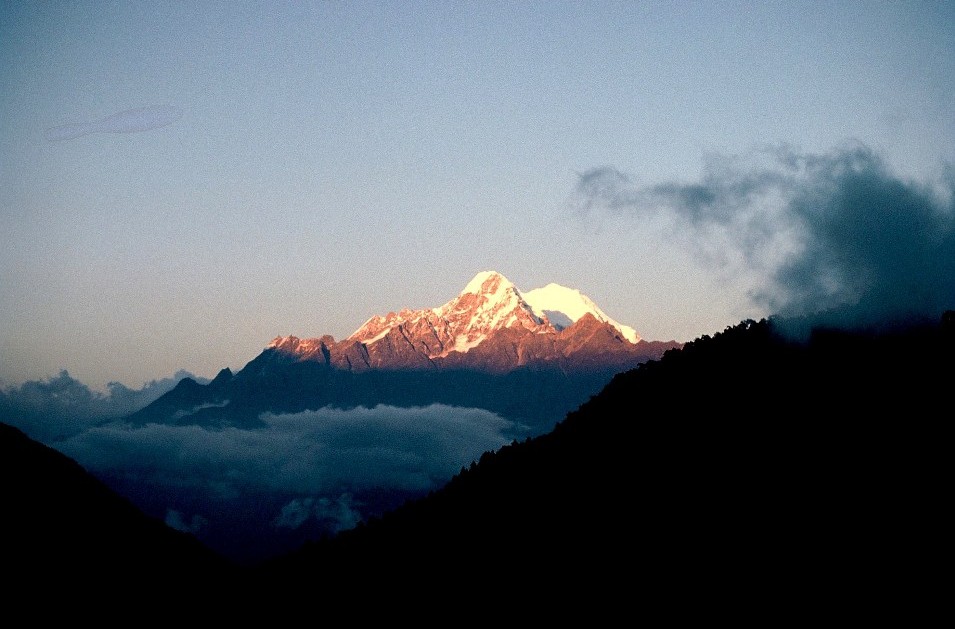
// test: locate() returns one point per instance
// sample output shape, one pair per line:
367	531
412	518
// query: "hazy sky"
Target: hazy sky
236	171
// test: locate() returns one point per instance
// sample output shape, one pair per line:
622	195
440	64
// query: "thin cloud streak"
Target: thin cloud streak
129	121
826	232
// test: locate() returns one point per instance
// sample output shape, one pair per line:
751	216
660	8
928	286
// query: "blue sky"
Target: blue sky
331	161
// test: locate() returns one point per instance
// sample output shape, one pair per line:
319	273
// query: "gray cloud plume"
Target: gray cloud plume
835	232
128	121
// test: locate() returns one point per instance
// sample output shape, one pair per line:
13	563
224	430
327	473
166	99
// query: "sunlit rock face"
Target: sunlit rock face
490	325
530	358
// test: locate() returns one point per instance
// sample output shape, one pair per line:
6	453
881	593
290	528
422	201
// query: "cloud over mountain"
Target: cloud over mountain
245	461
309	453
824	231
61	406
310	466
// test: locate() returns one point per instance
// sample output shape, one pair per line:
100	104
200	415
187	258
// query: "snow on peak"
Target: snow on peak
488	303
488	283
564	306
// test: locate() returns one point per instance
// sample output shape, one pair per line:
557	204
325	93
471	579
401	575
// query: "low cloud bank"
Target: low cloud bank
61	406
304	472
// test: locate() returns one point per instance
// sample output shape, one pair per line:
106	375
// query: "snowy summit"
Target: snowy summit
564	306
490	302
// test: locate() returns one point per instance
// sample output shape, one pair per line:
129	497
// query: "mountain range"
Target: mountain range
429	389
528	357
746	476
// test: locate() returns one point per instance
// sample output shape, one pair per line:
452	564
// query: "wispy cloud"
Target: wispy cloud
338	514
128	121
180	522
825	231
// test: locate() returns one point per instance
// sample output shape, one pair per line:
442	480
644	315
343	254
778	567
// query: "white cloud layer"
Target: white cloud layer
309	467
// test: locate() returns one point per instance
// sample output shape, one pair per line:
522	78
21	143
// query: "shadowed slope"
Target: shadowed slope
743	476
66	535
740	472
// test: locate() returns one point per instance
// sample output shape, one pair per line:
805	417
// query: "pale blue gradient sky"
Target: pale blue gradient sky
343	159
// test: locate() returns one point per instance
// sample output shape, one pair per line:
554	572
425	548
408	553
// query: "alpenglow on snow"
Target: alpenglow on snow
488	303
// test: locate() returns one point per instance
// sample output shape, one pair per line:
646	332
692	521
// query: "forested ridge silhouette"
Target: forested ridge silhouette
746	469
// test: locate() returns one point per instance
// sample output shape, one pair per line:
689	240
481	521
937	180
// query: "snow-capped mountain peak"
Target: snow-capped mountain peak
488	283
563	306
488	303
490	325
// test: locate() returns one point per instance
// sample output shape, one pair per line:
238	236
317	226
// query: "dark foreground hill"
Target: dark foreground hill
743	478
744	473
70	545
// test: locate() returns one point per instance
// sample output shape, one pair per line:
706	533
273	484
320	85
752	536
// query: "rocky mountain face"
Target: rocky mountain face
489	326
488	347
490	302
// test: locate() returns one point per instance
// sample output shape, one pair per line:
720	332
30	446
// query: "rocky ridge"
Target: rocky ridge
490	326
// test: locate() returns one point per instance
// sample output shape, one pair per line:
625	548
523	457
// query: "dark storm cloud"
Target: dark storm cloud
825	231
61	406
